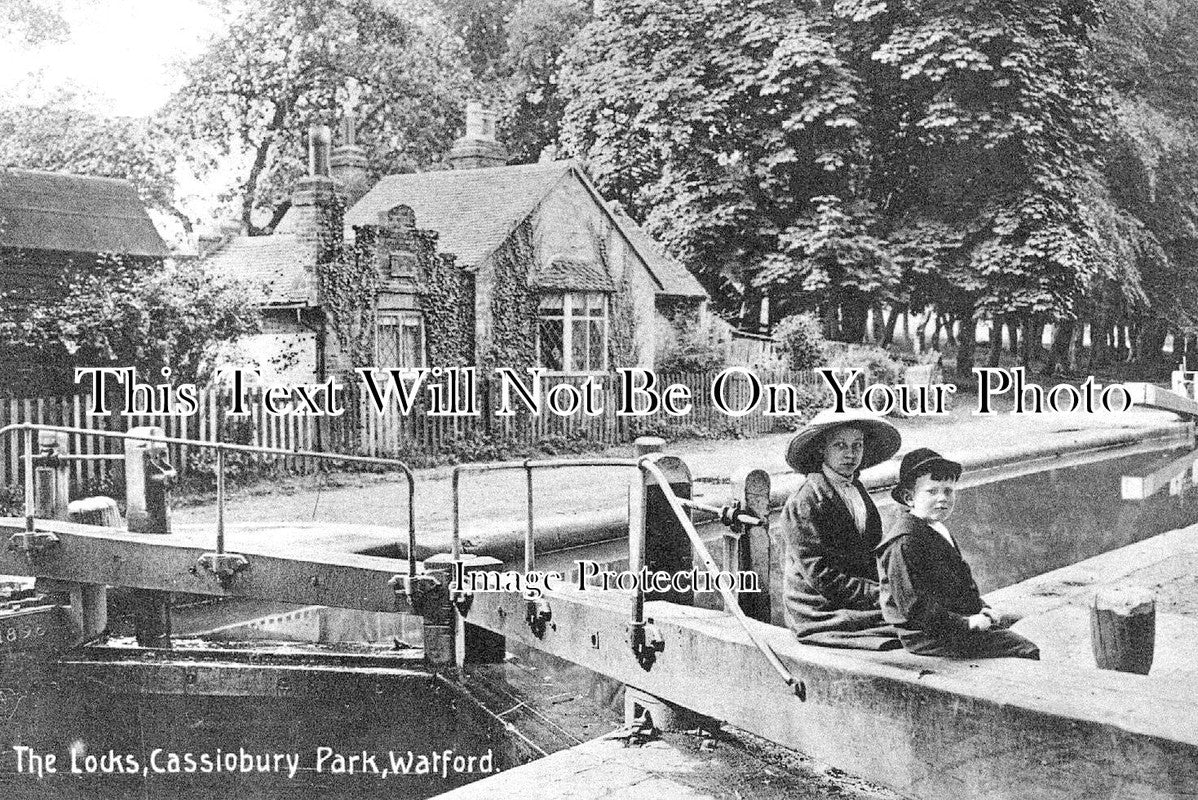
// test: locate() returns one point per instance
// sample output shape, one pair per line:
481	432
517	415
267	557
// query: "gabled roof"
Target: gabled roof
472	210
74	213
675	279
278	269
475	210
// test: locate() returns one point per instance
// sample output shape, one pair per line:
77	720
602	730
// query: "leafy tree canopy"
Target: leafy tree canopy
734	129
117	314
282	65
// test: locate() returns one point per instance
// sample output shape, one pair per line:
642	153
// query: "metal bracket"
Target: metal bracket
32	543
537	614
224	566
647	642
421	591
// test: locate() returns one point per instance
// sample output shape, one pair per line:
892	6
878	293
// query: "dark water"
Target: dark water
422	717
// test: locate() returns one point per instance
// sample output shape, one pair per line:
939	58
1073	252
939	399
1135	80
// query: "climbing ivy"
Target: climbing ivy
447	297
513	311
348	285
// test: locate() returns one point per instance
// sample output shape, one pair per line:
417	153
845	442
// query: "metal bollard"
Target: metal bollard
754	546
449	639
147	510
52	476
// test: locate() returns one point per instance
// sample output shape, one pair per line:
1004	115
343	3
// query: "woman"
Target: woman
831	526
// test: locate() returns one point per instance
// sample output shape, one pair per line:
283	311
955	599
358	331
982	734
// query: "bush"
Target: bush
877	361
802	340
694	347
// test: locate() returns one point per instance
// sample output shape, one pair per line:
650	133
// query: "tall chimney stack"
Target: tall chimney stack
478	148
349	164
319	142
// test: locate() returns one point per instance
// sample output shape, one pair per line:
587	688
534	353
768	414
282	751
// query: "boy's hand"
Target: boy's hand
979	622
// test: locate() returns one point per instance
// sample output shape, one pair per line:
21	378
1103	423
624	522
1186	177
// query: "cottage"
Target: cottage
483	264
52	223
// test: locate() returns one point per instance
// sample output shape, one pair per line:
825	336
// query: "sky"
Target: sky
122	50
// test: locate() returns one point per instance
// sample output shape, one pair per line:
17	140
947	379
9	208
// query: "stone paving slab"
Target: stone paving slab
1056	613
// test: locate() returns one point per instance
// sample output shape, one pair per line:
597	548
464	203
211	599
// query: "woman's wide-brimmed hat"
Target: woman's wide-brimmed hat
805	453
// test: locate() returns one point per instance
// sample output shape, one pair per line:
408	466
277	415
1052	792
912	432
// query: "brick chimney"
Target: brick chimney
478	148
316	208
348	163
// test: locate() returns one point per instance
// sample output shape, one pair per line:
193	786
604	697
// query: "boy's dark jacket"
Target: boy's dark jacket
927	590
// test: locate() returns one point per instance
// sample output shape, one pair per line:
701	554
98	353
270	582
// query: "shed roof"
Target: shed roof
74	213
278	269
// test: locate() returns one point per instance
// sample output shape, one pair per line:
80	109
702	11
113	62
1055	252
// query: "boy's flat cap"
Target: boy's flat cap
918	462
805	453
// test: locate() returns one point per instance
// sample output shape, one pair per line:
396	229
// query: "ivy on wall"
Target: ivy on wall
348	285
446	294
513	308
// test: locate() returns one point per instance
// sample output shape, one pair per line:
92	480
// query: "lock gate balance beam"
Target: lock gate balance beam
928	727
176	563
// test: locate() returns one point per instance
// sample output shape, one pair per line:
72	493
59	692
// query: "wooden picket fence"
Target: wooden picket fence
361	430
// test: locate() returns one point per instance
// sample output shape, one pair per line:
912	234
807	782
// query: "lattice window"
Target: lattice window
572	332
401	340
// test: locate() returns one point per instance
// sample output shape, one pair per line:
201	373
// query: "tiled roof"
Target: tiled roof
278	269
74	213
571	274
675	279
472	210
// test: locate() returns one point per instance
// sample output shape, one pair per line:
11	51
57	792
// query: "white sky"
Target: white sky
122	50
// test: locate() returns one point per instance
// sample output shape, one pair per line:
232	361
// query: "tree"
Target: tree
985	120
118	314
62	136
284	64
31	22
515	49
733	129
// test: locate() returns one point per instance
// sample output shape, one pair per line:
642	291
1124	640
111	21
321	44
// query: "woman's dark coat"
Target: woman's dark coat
830	583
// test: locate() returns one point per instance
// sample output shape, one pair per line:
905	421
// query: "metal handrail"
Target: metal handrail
642	464
221	449
528	465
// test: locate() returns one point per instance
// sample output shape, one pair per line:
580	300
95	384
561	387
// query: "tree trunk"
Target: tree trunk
831	325
950	321
1013	333
1058	354
853	317
968	341
891	321
995	342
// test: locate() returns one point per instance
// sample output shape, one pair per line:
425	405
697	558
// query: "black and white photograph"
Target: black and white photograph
598	399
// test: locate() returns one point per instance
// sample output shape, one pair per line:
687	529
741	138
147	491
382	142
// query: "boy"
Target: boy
927	590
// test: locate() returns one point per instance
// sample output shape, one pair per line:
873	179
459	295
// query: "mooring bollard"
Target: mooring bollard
86	604
449	640
1123	629
52	476
754	547
147	509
